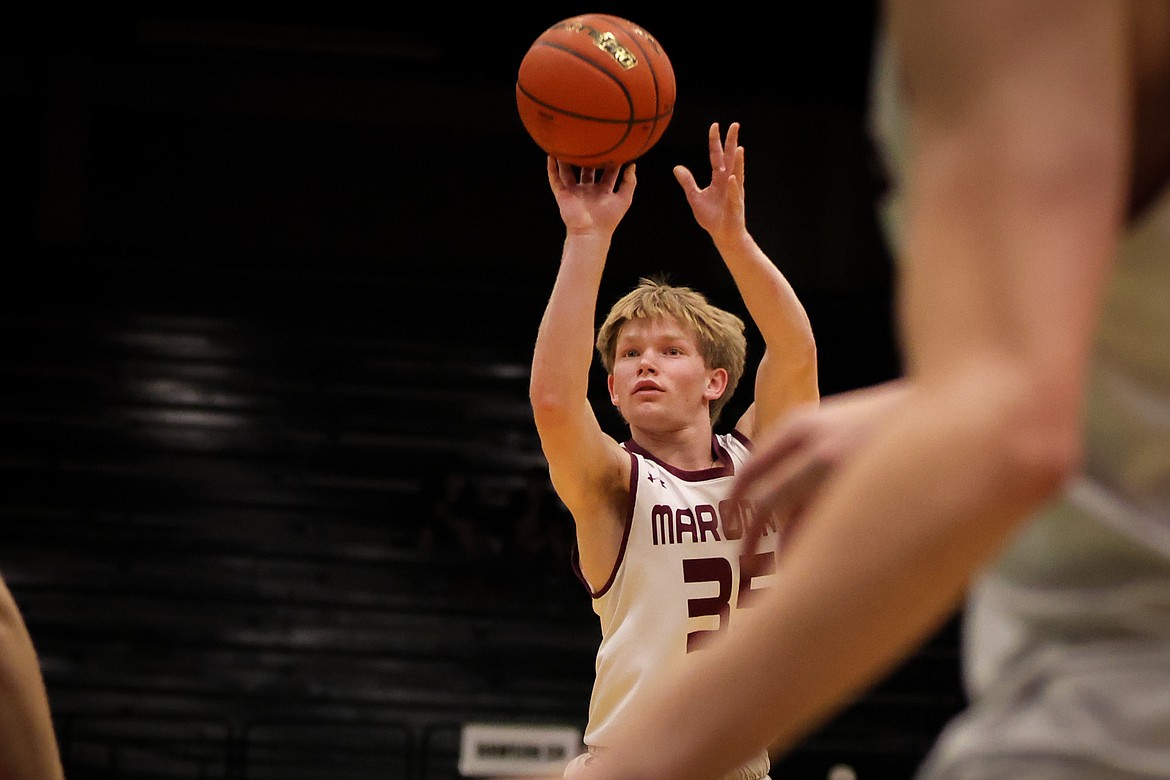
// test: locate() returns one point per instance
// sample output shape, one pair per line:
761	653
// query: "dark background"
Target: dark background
270	275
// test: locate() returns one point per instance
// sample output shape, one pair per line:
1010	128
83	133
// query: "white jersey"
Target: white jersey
1067	636
678	580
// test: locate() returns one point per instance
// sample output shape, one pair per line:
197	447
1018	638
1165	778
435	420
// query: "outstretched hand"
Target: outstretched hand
719	207
592	201
793	461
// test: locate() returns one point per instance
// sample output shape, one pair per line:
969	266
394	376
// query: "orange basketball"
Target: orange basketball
595	90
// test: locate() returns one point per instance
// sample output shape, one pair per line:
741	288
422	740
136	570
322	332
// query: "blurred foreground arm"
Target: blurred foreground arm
28	745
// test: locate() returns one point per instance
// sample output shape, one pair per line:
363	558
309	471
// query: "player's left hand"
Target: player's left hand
794	459
718	207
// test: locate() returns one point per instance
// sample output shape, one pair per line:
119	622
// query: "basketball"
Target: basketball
595	90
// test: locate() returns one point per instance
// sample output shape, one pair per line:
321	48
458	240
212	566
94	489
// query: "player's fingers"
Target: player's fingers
564	172
554	174
732	140
609	177
766	526
735	195
776	504
684	177
715	147
772	455
630	179
786	493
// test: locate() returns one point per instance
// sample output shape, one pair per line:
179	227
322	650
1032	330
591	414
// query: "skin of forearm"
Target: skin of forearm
764	289
787	373
564	344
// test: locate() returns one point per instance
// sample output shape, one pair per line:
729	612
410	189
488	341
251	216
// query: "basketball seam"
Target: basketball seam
588	117
637	39
625	90
628	123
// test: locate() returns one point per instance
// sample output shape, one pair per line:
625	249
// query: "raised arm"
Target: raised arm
1014	203
587	467
787	374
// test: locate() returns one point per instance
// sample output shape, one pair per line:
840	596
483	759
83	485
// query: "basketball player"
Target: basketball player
1025	458
28	744
655	545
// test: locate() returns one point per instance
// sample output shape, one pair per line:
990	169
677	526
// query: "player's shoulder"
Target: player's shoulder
735	441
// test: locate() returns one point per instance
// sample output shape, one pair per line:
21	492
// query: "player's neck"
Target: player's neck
688	449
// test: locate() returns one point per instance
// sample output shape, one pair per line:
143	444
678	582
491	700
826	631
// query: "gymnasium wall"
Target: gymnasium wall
270	278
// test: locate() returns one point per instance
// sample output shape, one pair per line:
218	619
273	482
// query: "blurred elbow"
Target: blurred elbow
1040	441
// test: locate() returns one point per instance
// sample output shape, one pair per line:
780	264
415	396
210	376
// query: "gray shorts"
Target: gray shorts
1098	711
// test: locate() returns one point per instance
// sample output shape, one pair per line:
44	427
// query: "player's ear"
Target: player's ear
613	399
716	384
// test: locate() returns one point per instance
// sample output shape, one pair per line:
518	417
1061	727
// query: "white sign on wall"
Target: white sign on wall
494	749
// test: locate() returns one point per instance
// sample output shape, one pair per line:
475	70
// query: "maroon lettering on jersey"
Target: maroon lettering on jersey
753	567
707	521
716	570
684	522
662	524
732	515
669	525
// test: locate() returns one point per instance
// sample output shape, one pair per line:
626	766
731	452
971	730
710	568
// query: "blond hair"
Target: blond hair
719	333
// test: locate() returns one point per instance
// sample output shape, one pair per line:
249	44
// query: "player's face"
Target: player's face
659	379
